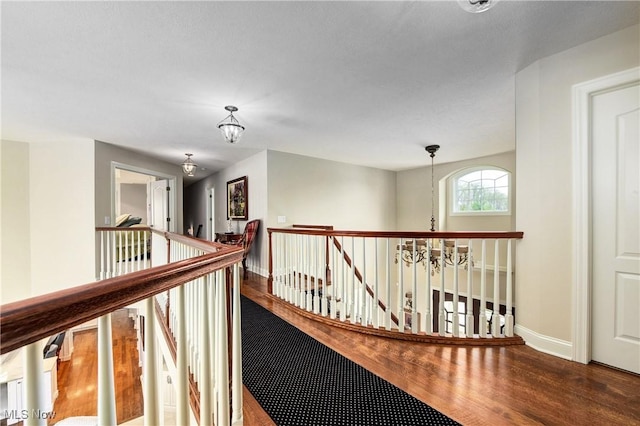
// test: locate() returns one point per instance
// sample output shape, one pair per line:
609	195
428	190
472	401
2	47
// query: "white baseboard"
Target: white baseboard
546	344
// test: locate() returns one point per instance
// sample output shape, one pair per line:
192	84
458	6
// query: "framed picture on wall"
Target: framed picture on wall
237	199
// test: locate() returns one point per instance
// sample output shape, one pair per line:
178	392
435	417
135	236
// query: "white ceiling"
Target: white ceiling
365	82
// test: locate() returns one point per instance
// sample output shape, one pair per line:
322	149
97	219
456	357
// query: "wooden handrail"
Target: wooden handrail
472	235
29	320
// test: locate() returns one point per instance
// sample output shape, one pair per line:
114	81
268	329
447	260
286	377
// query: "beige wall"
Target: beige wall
544	165
311	191
15	232
47	217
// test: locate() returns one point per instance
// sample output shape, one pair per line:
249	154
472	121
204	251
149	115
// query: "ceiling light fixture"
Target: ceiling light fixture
230	127
477	6
431	250
188	166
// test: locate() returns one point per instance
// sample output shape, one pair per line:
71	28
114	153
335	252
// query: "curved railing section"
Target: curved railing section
449	287
138	268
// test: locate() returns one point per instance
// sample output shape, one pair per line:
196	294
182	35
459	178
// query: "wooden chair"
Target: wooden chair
246	241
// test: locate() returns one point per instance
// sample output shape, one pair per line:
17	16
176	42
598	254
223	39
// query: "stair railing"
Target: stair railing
432	286
202	269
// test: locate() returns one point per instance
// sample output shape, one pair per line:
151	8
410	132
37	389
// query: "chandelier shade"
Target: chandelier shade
230	127
477	6
188	166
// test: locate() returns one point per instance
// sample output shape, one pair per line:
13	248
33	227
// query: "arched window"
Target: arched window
481	190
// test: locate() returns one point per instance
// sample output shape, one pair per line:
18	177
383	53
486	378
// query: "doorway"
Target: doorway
135	189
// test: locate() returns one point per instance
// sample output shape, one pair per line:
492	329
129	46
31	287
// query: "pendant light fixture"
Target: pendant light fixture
188	166
230	127
477	6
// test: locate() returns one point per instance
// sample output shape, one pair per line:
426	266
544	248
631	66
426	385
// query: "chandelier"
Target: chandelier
477	6
188	166
439	253
230	127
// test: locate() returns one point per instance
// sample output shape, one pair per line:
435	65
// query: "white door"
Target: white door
159	204
616	228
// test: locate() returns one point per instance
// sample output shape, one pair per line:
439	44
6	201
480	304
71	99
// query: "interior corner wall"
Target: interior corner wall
196	197
15	244
106	153
61	212
544	158
414	196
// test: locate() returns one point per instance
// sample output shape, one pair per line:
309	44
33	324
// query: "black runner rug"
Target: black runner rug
299	381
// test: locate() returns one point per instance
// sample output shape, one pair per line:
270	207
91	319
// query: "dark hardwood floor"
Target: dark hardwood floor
473	385
480	385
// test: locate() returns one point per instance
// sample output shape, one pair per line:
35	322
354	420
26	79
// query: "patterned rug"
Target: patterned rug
299	381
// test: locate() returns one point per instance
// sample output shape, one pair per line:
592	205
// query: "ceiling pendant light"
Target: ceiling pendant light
188	166
230	127
477	6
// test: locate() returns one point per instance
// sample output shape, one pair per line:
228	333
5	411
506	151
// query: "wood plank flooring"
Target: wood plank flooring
481	385
473	385
78	377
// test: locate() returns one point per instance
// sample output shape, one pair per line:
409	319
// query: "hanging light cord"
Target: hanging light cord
433	219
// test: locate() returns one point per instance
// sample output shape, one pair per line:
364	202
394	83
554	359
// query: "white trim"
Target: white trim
452	189
546	344
582	244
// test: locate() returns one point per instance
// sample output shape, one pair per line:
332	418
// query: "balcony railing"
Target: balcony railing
202	281
451	287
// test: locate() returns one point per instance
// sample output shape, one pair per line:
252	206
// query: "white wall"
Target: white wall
544	166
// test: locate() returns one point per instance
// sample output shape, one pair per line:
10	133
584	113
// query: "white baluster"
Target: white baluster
375	318
151	412
204	383
334	280
496	291
33	382
236	351
469	319
343	303
482	320
456	319
442	316
509	314
324	264
222	355
182	403
363	286
214	282
352	289
414	289
400	289
316	261
106	386
428	312
387	316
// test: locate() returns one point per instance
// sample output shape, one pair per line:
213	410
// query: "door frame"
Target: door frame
582	207
172	192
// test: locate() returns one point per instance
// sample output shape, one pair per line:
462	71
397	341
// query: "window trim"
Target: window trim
452	190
